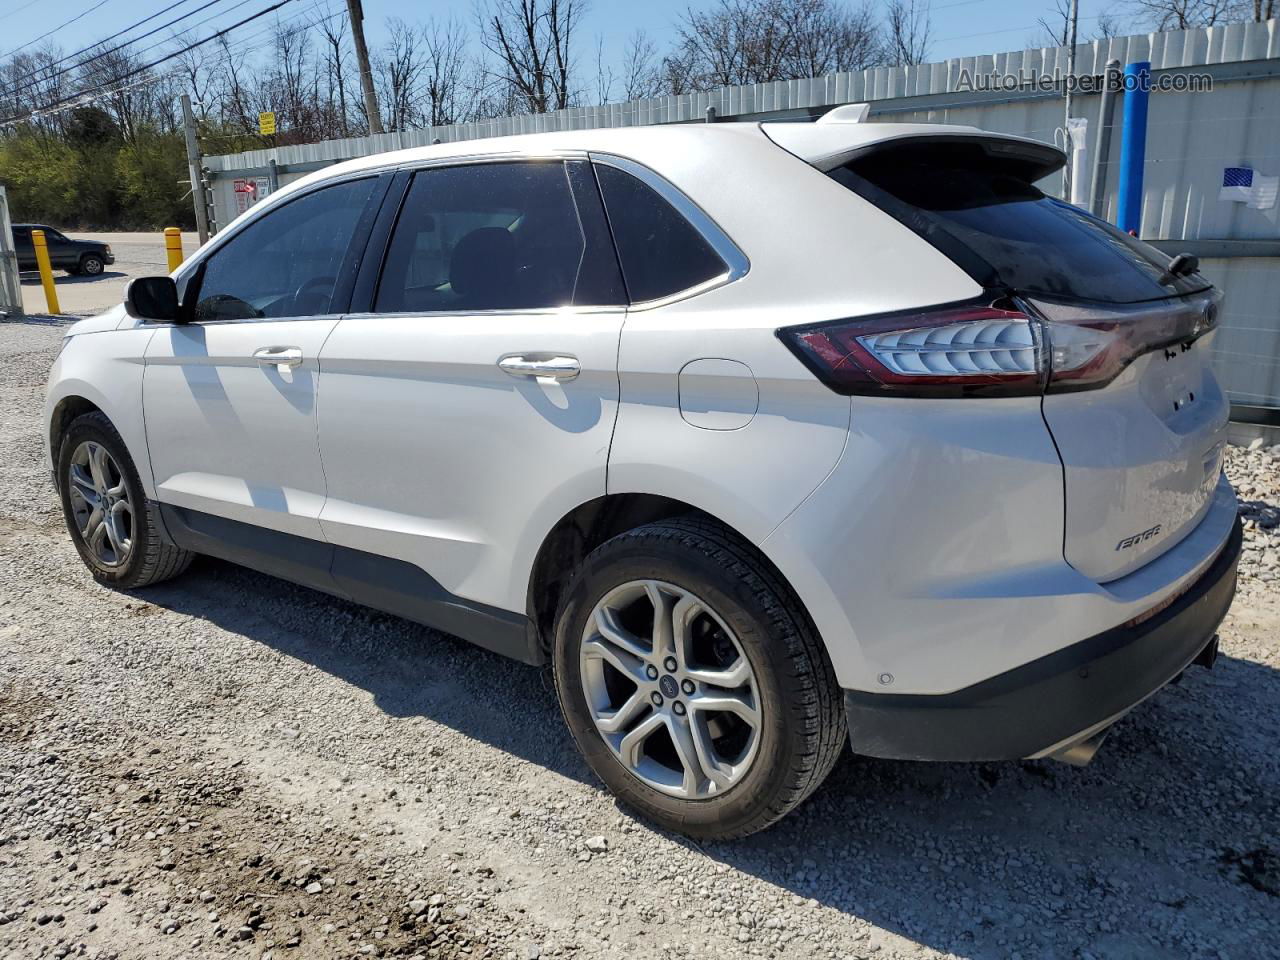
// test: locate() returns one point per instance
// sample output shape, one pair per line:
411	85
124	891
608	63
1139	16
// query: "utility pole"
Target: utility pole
356	12
1071	79
196	167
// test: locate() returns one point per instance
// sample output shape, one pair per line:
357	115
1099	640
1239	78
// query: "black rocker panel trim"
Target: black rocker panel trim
383	583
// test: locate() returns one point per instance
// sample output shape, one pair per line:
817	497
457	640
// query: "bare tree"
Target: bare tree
193	67
398	70
33	79
909	31
756	41
827	38
447	90
1183	14
532	42
604	74
1107	25
135	105
334	31
236	96
1055	28
291	86
641	76
1263	10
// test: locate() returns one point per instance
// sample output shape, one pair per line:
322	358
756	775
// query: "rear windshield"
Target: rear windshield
984	213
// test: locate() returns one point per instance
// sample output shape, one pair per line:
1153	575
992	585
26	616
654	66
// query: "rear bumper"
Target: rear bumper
1051	701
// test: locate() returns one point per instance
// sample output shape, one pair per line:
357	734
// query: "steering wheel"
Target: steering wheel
319	288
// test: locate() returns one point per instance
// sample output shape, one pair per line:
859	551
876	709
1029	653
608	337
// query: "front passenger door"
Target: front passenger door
230	398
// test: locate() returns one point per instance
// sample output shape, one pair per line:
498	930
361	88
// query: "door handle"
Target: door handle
278	356
550	368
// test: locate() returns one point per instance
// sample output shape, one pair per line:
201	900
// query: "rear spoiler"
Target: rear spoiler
827	146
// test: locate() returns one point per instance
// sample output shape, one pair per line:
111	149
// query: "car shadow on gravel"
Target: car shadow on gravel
1145	853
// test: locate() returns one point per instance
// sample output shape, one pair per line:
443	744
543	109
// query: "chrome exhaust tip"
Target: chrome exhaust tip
1080	753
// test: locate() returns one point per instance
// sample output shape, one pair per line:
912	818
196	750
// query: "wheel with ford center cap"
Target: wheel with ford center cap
693	681
111	522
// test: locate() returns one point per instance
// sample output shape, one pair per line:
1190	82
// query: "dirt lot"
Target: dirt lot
229	766
137	255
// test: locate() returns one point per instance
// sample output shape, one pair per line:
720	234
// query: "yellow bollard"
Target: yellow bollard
46	270
173	247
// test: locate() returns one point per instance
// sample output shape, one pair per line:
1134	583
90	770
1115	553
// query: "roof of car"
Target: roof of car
812	142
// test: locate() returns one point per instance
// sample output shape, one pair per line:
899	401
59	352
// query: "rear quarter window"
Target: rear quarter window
980	208
661	252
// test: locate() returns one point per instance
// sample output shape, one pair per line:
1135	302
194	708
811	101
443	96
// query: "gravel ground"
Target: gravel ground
230	766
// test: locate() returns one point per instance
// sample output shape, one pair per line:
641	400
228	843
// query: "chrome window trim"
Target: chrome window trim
736	262
506	156
514	312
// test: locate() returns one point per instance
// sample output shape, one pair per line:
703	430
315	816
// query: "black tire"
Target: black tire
152	558
803	729
91	264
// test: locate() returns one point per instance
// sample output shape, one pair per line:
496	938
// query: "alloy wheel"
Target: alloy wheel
670	689
100	504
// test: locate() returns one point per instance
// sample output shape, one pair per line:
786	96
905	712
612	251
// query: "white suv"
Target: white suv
764	436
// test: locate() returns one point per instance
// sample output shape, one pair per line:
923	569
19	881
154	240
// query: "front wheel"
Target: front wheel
91	265
693	681
111	522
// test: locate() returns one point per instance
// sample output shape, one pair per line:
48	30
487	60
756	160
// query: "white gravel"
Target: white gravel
230	766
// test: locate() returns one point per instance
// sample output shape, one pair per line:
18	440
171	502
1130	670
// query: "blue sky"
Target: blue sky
960	27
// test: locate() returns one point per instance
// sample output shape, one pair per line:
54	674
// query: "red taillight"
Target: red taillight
994	348
1089	345
980	349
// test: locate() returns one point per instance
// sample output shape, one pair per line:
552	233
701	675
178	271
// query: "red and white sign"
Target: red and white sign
244	186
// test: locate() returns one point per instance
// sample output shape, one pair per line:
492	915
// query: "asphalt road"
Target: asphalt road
137	255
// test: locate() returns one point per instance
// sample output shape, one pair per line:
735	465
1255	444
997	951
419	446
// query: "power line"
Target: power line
97	56
55	29
116	34
154	63
991	33
29	3
101	93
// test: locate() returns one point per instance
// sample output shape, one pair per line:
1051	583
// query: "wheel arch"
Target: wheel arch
64	412
592	523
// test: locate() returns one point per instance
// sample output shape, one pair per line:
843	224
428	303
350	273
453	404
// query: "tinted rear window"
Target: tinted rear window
660	251
975	206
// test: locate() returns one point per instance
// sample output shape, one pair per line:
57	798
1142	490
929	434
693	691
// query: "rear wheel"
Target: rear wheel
111	522
91	265
693	681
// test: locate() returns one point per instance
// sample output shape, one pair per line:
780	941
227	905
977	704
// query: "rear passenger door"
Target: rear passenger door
470	404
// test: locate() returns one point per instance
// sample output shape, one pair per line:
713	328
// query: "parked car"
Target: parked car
88	257
766	437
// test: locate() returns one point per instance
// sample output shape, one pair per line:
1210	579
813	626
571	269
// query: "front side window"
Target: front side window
286	263
661	252
486	236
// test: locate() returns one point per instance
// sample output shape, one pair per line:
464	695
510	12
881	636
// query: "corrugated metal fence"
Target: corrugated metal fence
1191	137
